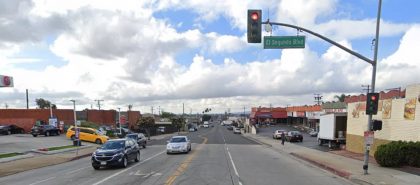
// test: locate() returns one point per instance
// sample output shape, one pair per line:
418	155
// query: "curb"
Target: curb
339	172
80	157
257	140
8	159
60	151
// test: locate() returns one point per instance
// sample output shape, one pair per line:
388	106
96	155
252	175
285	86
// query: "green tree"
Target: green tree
340	98
206	117
43	104
178	122
168	115
147	123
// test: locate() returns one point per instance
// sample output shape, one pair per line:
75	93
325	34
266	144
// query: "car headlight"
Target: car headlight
168	147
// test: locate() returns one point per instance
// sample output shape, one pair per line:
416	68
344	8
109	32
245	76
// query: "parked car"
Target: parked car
161	130
236	130
294	136
47	130
116	152
313	133
10	129
192	129
87	134
206	125
178	144
277	134
139	137
229	127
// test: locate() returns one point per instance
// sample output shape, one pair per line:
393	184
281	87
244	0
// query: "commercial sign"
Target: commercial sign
6	81
334	110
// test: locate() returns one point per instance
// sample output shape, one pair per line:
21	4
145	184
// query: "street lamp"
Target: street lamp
74	112
119	118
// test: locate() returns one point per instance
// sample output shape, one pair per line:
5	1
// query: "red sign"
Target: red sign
300	114
369	135
123	119
6	81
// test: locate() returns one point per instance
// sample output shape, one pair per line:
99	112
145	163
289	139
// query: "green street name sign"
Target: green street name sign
284	42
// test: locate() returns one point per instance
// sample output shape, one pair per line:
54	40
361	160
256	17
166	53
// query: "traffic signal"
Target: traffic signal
372	103
254	26
376	125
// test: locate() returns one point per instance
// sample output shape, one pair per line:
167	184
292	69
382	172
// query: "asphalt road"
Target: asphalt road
308	141
218	157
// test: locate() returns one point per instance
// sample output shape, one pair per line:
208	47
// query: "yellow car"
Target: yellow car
87	134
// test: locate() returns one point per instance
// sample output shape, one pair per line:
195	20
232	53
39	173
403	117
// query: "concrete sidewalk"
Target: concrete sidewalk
42	160
39	161
342	166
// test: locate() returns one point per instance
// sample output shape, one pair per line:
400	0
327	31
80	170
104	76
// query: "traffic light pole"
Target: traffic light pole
372	62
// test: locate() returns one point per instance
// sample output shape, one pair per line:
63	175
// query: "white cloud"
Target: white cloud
123	54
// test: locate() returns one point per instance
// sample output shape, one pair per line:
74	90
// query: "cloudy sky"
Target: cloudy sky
168	52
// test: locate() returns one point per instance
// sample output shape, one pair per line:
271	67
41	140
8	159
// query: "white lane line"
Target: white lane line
233	164
42	181
122	171
76	170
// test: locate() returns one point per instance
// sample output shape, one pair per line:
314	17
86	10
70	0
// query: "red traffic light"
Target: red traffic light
254	16
373	98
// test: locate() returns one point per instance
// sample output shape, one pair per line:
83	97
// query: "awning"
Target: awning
278	115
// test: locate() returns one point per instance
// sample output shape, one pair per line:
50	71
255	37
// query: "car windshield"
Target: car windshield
132	136
178	140
110	145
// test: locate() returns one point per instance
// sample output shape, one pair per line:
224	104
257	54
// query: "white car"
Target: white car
178	144
192	129
206	126
236	130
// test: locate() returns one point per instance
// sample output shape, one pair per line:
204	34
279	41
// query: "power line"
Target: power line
99	104
318	98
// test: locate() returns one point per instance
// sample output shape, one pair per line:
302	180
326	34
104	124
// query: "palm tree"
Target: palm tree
340	98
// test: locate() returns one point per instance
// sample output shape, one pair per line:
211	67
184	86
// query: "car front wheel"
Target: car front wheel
34	135
96	167
137	157
124	162
47	133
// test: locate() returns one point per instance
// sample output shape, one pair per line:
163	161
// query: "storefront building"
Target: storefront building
400	115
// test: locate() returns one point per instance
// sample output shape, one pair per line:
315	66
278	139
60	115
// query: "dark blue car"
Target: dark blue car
116	152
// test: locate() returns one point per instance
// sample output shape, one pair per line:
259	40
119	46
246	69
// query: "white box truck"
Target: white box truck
332	129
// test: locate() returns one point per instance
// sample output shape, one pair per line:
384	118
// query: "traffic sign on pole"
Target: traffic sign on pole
284	42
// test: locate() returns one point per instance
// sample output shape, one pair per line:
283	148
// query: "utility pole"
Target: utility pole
159	110
27	99
375	61
99	104
367	88
318	98
183	109
152	109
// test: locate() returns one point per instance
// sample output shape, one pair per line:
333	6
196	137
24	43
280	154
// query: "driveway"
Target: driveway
308	141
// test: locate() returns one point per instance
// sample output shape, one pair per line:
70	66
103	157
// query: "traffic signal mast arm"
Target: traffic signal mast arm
324	38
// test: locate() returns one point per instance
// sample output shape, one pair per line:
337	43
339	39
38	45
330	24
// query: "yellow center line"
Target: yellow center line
184	165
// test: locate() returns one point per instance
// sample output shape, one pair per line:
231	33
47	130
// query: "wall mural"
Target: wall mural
356	111
386	109
410	109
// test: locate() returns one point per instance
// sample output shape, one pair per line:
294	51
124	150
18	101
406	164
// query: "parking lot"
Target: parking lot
308	141
26	142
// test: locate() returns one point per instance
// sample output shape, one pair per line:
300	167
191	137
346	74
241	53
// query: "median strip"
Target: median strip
9	155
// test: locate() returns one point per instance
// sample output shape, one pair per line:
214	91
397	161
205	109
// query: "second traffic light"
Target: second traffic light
254	26
372	103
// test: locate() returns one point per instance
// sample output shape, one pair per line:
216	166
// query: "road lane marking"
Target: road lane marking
184	165
37	182
233	164
122	171
231	160
70	172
